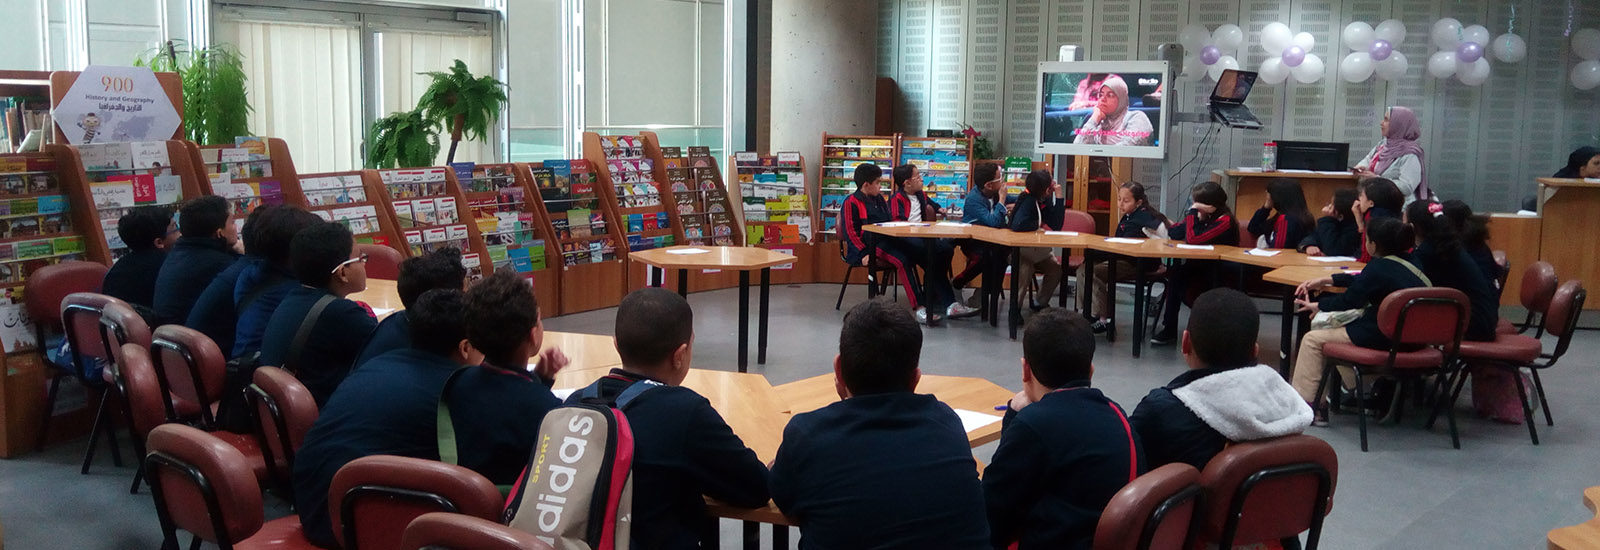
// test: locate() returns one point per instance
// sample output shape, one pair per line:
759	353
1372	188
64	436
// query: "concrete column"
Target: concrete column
824	71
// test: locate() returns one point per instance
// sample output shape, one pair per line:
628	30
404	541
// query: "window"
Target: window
655	65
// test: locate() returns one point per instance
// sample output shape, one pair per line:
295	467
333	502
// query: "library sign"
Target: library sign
110	104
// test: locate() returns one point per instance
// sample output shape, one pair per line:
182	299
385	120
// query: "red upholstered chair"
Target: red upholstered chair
445	531
1538	287
120	325
1424	326
1154	512
284	412
373	499
1267	490
80	318
202	485
191	368
1081	222
383	262
1500	259
146	406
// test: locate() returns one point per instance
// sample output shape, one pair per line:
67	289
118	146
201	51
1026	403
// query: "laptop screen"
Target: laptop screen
1233	87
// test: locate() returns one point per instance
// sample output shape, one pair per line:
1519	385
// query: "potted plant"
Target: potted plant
468	104
215	106
403	139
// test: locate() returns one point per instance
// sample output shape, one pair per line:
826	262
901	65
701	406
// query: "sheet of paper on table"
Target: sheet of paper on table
953	224
381	311
972	420
1120	240
1062	233
687	251
1263	252
1591	180
900	224
1197	247
1250	169
1331	259
564	394
1295	171
1332	172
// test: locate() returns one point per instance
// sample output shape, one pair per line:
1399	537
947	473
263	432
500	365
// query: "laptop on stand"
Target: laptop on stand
1227	100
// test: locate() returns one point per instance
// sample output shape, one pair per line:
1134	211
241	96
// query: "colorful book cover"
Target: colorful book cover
435	235
635	223
559	225
582	177
255	145
106	156
424	212
456	232
578	220
544	178
404	215
445	210
150	155
474	265
112	194
463	170
560	173
51	204
271	192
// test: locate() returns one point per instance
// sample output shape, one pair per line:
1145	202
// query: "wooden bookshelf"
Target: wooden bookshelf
697	201
24	85
278	183
355	203
1092	185
628	168
946	166
761	177
85	175
835	181
591	285
61	81
430	212
513	227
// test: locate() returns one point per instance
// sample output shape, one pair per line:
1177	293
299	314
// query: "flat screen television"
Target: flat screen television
1102	108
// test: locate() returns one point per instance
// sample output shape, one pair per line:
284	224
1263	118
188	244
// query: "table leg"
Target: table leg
1286	333
657	275
761	331
872	286
927	282
744	321
780	537
752	535
1086	281
997	271
1139	305
1111	297
1061	290
1015	316
683	283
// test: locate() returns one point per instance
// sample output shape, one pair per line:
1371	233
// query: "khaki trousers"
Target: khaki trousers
1102	286
1038	258
1308	363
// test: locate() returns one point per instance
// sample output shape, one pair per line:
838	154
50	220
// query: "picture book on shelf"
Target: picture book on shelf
254	146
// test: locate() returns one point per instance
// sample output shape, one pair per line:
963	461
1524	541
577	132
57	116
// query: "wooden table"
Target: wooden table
959	392
1017	241
382	296
1583	536
1251	191
1142	253
1291	277
751	406
1569	210
929	232
736	258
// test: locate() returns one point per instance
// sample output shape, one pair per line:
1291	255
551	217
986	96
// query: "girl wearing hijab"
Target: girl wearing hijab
1584	163
1112	123
1398	157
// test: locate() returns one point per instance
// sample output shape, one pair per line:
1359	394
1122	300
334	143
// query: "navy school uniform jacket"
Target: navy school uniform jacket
880	471
682	450
257	294
496	415
133	278
1059	462
1460	272
1335	237
1367	290
389	408
1278	229
214	313
1192	418
900	206
1028	215
1216	230
1483	257
859	211
1373	214
1133	224
979	210
393	332
185	273
331	347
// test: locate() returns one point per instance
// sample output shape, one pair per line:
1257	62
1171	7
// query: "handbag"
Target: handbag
1336	319
233	412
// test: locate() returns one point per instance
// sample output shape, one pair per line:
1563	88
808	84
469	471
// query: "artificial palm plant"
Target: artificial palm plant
215	106
404	139
468	104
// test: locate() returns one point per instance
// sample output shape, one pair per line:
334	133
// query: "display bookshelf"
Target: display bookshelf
835	181
630	169
594	284
767	185
701	205
946	167
1091	187
171	84
116	177
515	230
252	172
351	198
24	107
430	213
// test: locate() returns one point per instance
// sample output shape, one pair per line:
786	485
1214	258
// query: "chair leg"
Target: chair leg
844	286
1442	394
1527	410
49	406
101	426
1543	401
1361	409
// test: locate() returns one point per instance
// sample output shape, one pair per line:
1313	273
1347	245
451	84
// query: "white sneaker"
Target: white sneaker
922	315
959	310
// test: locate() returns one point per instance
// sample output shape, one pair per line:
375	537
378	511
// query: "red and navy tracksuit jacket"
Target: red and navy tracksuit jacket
1193	230
859	211
1279	230
900	206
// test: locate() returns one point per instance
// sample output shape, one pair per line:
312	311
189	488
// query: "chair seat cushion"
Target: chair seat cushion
1511	348
283	533
247	444
1350	353
1505	327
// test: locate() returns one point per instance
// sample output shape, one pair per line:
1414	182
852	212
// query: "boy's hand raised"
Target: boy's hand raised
550	363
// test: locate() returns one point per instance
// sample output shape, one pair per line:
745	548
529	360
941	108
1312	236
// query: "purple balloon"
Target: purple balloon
1380	50
1293	56
1210	54
1469	52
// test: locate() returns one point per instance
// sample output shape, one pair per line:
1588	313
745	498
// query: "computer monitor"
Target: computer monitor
1102	108
1313	155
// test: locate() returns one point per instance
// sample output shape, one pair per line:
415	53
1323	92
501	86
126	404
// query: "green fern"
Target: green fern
468	104
216	107
402	140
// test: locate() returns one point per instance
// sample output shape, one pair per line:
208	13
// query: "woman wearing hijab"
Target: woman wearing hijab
1584	163
1112	123
1398	157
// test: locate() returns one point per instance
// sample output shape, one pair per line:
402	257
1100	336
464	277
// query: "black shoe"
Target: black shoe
1164	337
1037	307
1100	326
1319	416
1089	317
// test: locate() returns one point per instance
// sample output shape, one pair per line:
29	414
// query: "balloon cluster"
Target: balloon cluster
1374	51
1213	50
1461	51
1586	45
1289	54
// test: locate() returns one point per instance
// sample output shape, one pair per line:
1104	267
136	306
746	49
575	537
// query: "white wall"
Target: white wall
22	26
824	72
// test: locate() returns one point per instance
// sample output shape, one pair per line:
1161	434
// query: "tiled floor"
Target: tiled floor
1411	491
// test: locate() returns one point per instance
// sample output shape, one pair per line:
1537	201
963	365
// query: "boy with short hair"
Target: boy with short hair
986	206
682	447
884	467
1226	396
865	207
438	269
1065	448
149	233
328	268
205	247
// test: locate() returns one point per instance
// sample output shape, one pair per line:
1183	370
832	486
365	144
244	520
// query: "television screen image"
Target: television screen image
1102	108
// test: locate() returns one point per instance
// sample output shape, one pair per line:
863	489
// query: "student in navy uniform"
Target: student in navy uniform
149	233
1473	230
328	268
1138	217
986	207
682	447
496	407
1028	217
438	269
389	408
205	246
1336	233
884	467
866	207
1444	259
910	203
1209	222
214	313
1226	396
1065	448
1379	198
263	277
1284	221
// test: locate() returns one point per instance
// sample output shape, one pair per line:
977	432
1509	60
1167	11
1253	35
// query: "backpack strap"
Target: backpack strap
1414	270
298	345
591	393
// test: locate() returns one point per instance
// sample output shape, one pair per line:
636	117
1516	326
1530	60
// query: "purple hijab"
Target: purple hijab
1404	129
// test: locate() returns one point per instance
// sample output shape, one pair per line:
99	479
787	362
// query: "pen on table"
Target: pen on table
1002	407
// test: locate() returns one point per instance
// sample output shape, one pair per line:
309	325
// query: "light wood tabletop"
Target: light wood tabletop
750	405
1154	248
1283	258
587	351
1568	182
381	295
1583	536
940	230
972	394
736	258
1293	175
1046	239
1294	275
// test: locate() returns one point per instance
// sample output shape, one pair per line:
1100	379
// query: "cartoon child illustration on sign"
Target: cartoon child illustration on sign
90	123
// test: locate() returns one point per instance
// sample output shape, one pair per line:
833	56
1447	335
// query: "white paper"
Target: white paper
1197	247
687	251
1333	172
1248	169
1331	259
1120	240
1297	171
972	420
1591	180
381	311
1263	252
1062	233
953	224
1527	213
898	224
564	394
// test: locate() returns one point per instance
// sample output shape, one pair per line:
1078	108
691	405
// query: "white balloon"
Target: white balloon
1394	67
1227	62
1276	37
1474	73
1273	71
1446	33
1356	67
1193	69
1510	48
1586	75
1194	37
1229	37
1586	44
1392	30
1305	41
1309	70
1358	36
1442	64
1476	34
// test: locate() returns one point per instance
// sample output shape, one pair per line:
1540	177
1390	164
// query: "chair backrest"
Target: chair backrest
202	485
1267	490
383	262
446	531
121	324
373	499
1504	261
285	411
189	364
1154	512
1538	285
1424	316
1077	220
139	386
1249	240
48	285
1566	306
80	317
